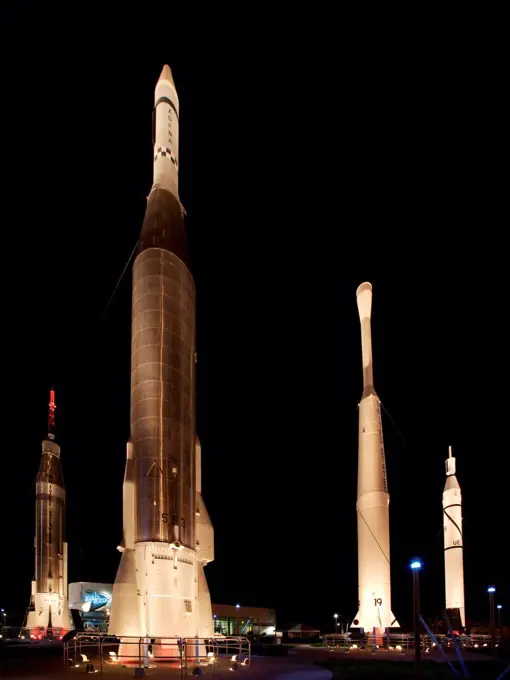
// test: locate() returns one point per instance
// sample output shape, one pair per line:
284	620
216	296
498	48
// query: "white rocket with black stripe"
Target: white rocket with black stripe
453	543
373	500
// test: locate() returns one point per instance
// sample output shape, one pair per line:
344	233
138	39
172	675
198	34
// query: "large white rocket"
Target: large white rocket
374	574
453	544
161	590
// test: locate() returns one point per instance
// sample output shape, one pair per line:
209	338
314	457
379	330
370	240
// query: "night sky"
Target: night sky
304	171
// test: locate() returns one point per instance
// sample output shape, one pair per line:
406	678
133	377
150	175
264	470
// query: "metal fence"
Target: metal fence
402	642
14	632
99	652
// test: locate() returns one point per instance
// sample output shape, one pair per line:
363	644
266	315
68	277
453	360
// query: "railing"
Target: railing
87	649
24	633
401	642
12	632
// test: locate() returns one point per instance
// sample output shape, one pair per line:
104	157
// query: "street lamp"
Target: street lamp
499	607
492	619
335	616
416	565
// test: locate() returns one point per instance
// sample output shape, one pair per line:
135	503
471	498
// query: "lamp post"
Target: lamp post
492	619
335	616
415	568
499	607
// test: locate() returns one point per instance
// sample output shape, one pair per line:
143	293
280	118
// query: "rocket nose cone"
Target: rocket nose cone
364	300
166	74
451	483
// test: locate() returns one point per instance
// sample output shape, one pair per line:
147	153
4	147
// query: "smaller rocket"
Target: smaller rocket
453	544
374	572
48	613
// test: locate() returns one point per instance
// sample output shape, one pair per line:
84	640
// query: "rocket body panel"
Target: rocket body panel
161	566
163	397
453	544
166	134
167	581
126	610
374	577
371	459
374	572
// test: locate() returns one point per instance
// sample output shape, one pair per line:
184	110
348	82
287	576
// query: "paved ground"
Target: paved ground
299	665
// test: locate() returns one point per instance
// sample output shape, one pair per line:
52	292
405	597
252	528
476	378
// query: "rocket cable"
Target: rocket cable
120	278
375	539
394	423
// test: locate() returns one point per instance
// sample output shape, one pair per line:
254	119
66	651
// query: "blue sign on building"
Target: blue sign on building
97	600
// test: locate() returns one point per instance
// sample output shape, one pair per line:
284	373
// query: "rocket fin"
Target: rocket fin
128	500
205	617
205	532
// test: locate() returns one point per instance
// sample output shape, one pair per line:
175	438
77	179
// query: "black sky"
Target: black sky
312	158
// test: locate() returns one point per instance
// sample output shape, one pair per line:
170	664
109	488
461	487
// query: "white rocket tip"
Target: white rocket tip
166	74
364	300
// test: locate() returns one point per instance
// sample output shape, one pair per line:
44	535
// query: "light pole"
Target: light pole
492	619
335	616
4	616
415	567
499	607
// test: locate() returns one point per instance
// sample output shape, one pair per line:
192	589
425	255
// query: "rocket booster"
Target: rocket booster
156	592
374	574
453	543
48	612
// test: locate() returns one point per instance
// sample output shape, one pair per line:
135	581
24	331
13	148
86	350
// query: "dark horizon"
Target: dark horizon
300	181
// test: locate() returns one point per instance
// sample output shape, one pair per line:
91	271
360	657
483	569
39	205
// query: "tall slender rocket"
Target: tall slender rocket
374	573
157	591
48	613
453	543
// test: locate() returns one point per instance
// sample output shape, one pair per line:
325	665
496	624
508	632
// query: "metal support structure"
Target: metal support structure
416	618
492	617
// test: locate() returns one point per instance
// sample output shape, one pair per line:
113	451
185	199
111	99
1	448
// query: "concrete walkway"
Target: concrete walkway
299	665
